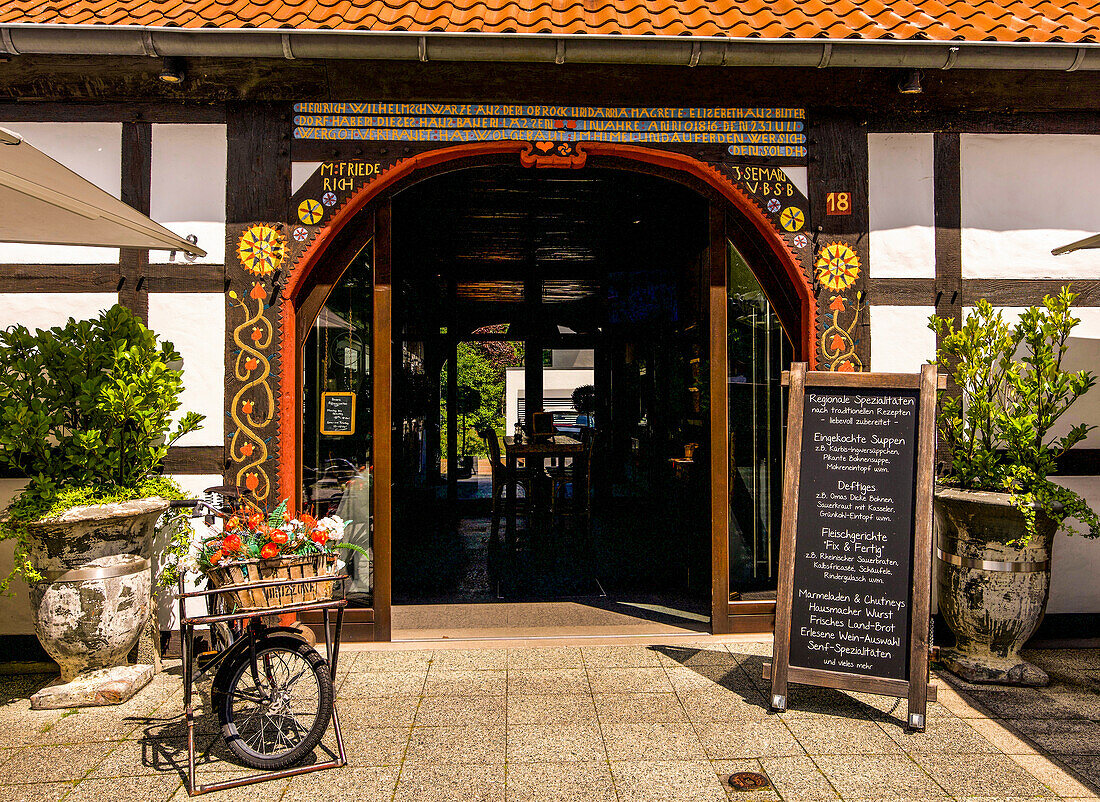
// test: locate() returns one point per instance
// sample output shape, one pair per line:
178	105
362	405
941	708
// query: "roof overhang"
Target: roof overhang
691	51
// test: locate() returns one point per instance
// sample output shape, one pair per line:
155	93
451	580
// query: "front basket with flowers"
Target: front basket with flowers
257	548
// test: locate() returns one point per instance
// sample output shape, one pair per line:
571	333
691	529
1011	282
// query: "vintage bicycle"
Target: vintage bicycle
272	691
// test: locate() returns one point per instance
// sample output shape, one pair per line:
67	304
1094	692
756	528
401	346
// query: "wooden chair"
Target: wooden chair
563	475
501	477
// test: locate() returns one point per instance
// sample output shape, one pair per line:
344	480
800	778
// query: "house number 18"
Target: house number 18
838	203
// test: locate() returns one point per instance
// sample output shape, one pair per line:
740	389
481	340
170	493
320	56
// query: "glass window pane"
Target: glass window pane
337	468
758	351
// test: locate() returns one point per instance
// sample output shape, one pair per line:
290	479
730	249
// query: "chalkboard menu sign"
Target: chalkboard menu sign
337	413
855	554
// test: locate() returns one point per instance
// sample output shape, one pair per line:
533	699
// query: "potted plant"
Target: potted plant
996	512
86	415
467	402
584	402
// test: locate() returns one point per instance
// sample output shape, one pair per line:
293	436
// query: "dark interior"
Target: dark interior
604	260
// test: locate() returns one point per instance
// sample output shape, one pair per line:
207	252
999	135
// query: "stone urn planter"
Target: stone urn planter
992	594
94	600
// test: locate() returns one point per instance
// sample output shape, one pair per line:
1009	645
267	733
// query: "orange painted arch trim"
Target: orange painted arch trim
290	362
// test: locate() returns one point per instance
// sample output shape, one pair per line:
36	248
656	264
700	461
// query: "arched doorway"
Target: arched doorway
362	228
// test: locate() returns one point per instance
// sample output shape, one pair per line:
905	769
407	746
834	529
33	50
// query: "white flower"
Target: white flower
334	525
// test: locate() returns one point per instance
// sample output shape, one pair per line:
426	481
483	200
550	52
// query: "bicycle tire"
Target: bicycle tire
248	725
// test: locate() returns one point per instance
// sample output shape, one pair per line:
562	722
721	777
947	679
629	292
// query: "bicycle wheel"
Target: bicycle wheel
276	723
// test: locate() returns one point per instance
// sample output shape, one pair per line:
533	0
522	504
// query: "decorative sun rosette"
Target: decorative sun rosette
837	266
792	218
261	249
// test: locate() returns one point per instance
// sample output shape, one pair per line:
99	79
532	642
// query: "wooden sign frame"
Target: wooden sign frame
342	433
915	688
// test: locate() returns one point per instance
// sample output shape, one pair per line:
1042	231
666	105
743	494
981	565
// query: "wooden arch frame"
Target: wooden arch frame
791	281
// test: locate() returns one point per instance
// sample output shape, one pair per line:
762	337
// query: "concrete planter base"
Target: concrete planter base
103	686
993	670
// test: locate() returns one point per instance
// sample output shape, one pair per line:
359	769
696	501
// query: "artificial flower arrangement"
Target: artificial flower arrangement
254	546
249	534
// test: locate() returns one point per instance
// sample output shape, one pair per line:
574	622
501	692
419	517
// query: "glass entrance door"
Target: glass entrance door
758	350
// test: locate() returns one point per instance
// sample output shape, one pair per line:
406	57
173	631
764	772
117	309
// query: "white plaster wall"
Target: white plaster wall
15	610
799	176
42	310
900	338
92	151
300	173
187	188
902	206
1075	562
195	323
1023	195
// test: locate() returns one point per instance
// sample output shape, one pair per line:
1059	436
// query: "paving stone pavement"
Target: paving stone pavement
591	723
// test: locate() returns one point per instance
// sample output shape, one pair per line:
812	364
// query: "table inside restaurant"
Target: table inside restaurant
535	452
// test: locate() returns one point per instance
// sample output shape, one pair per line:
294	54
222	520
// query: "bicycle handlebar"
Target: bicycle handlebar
195	504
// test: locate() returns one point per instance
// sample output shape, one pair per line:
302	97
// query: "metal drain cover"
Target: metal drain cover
748	781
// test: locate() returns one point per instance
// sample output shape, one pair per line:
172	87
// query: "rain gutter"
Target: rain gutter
691	51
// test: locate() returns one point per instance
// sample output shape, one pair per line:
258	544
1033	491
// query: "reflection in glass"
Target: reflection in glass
758	351
337	469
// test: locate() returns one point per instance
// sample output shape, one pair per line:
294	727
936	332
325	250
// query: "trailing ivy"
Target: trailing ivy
1012	391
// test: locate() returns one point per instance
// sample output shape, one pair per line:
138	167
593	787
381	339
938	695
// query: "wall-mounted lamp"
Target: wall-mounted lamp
910	84
171	72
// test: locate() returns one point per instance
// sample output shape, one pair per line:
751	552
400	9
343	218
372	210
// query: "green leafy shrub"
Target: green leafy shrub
1012	391
86	415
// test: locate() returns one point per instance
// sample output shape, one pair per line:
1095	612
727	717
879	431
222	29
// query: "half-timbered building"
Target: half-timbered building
679	197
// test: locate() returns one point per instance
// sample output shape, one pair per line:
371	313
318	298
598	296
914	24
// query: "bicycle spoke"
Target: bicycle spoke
248	696
276	715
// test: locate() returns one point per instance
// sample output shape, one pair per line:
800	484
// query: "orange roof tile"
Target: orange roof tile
939	20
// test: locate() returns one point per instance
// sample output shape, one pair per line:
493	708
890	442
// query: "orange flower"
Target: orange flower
278	536
257	292
246	407
233	523
320	537
232	543
251	481
256	334
255	521
268	552
247	449
216	557
251	363
309	521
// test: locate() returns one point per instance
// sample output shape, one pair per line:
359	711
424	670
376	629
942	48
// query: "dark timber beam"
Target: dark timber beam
137	170
257	191
947	189
998	291
838	164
